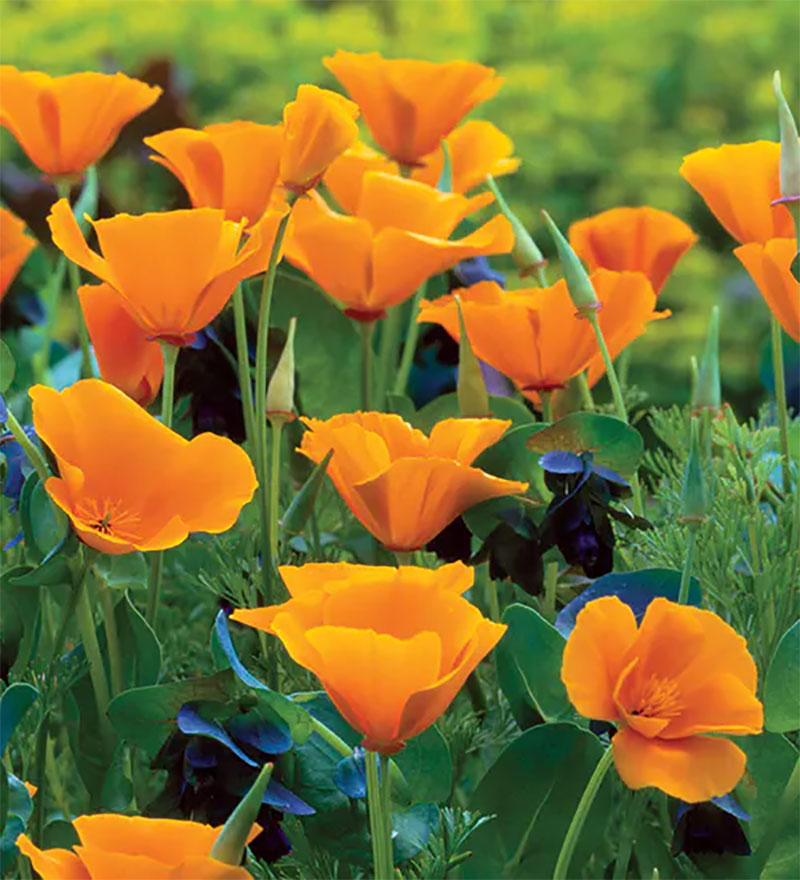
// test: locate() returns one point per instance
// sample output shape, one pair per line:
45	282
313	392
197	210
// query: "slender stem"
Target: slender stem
581	812
28	447
778	821
624	363
375	805
550	581
491	593
40	778
547	412
630	827
367	328
780	400
61	634
387	354
243	365
611	373
686	574
404	557
386	808
97	673
112	638
410	343
50	296
274	486
585	391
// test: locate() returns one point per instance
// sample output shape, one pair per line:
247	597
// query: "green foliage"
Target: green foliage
782	685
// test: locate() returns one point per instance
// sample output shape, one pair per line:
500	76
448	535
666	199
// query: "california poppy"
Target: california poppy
15	246
126	357
391	646
175	270
67	123
126	481
402	486
718	173
410	105
769	265
535	337
346	174
633	239
397	238
112	845
682	674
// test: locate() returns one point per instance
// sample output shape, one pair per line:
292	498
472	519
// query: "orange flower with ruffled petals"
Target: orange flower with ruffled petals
534	335
391	646
346	174
126	481
174	270
633	239
15	246
126	357
682	674
769	265
397	238
410	105
112	845
402	486
67	123
739	183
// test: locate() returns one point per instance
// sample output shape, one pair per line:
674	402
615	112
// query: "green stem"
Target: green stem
778	821
686	574
547	412
243	368
50	296
29	448
581	812
611	373
585	391
386	808
367	328
97	673
387	354
491	592
404	557
40	778
410	343
628	835
274	486
377	821
780	400
624	363
550	581
112	638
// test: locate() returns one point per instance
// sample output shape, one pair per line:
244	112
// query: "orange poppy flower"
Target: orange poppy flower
134	846
231	165
126	481
397	238
67	123
411	105
346	174
633	239
125	355
391	646
769	265
682	674
175	270
718	175
402	486
15	246
535	337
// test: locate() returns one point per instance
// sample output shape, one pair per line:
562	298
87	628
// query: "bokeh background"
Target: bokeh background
602	99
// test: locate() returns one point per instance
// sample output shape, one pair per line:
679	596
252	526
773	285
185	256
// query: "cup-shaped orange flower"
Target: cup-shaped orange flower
403	486
397	238
230	165
15	246
125	355
391	646
345	175
112	845
126	481
534	335
680	675
66	123
769	265
633	239
410	105
175	270
738	183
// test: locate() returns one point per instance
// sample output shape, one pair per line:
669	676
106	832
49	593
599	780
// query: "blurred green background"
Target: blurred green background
602	99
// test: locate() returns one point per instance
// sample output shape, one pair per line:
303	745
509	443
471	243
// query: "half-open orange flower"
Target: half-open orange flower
118	846
739	182
402	486
15	246
174	270
411	105
126	481
231	165
66	123
397	239
534	335
391	646
769	265
633	239
682	674
125	355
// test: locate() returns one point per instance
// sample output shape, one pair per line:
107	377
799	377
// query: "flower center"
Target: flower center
660	698
108	518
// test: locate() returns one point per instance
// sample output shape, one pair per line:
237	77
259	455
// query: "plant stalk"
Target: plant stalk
410	343
243	367
387	354
780	400
686	574
628	834
366	328
547	411
377	821
112	639
585	391
274	486
97	673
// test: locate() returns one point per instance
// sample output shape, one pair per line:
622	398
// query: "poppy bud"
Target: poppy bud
231	842
707	392
280	393
693	493
525	253
580	287
473	399
790	145
298	512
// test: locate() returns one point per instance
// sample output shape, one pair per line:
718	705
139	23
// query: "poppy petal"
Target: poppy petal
53	864
769	266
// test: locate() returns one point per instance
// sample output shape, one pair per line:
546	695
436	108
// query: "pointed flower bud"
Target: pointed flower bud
580	287
525	253
693	493
298	512
229	846
280	392
473	399
707	391
790	146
